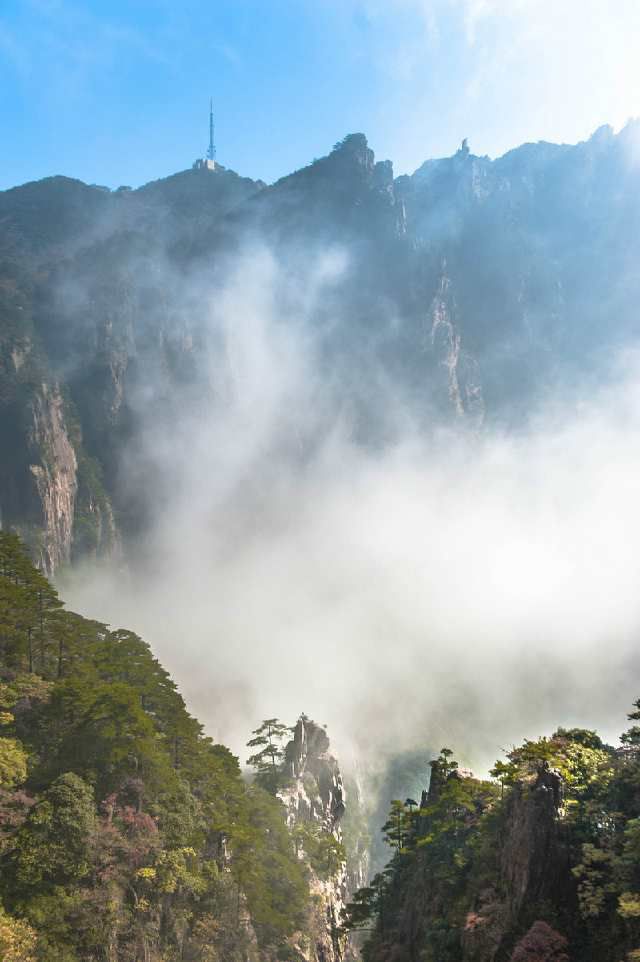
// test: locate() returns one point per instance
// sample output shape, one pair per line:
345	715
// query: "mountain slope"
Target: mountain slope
540	864
125	833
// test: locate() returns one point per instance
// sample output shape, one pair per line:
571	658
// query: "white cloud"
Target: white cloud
434	589
505	71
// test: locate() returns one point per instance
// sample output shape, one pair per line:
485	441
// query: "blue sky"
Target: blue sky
117	92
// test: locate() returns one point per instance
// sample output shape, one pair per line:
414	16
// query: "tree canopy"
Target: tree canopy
125	832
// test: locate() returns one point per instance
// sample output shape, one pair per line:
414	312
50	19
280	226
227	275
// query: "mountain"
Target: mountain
469	290
75	318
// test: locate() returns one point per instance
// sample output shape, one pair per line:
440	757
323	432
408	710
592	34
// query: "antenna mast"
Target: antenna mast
211	152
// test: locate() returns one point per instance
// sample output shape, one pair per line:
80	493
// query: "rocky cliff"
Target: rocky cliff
534	869
540	863
50	488
315	802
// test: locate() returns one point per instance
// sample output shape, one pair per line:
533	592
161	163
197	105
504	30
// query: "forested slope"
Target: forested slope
539	864
125	833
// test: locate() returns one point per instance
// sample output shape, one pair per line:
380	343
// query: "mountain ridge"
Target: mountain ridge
472	288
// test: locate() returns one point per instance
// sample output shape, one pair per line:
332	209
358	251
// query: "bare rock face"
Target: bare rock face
315	803
443	338
67	512
318	792
55	477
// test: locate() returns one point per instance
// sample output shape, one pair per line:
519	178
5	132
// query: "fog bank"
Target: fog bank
449	586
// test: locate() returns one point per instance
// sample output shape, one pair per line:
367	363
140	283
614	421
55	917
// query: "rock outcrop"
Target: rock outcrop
476	872
315	803
533	870
444	339
55	476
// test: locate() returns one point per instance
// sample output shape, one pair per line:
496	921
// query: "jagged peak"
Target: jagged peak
309	744
604	132
354	150
307	754
541	149
351	144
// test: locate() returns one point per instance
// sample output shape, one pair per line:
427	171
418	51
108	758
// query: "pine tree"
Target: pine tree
268	738
398	825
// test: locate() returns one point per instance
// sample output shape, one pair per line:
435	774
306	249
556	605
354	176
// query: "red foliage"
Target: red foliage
136	823
541	944
14	808
125	838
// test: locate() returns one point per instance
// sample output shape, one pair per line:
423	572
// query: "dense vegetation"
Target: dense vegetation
125	833
539	864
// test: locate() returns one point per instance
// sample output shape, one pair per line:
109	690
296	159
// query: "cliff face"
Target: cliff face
50	490
534	870
55	477
541	863
443	338
471	288
315	804
88	328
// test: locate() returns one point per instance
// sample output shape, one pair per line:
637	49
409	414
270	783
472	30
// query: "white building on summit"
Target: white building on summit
208	162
